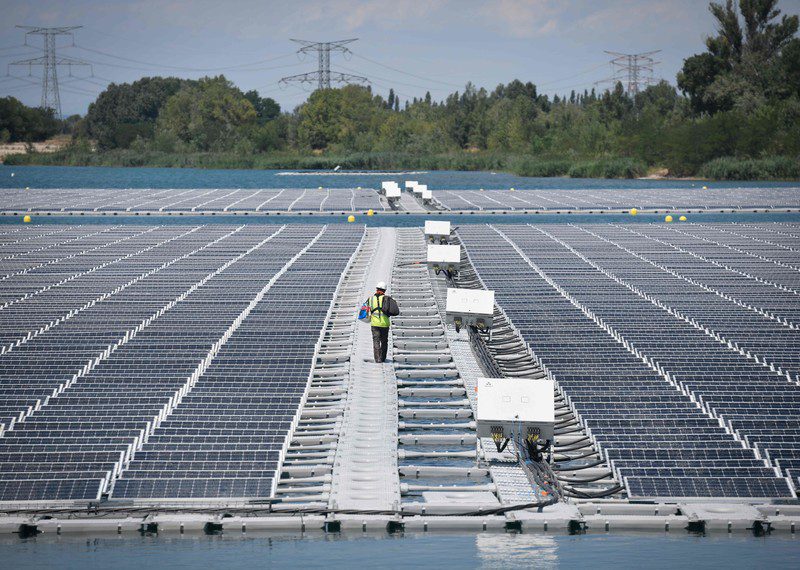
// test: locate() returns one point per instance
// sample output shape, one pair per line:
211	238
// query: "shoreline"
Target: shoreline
744	170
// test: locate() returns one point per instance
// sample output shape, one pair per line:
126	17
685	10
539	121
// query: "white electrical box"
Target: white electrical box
393	193
427	196
419	188
470	307
385	186
444	255
434	229
411	184
513	407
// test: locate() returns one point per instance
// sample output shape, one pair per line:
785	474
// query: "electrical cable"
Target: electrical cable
579	467
406	73
17	88
567	447
575	448
97	83
576	429
572	458
578	74
599	495
183	68
6	48
100	510
589	480
138	41
20	54
393	80
10	77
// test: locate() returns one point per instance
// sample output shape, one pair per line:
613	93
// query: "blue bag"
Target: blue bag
363	314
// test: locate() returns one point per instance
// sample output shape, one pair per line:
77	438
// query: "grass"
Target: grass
726	168
774	168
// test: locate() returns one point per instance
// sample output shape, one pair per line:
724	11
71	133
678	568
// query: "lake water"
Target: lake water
100	177
616	550
410	551
403	221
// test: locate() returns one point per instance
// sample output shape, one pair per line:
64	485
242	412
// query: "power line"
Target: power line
51	99
407	73
18	46
372	77
574	75
632	69
171	47
323	76
180	68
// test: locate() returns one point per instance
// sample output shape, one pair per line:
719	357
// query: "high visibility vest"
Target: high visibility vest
377	318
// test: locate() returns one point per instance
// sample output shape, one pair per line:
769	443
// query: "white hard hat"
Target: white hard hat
381	285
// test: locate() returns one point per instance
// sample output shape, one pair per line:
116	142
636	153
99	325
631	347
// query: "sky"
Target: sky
412	46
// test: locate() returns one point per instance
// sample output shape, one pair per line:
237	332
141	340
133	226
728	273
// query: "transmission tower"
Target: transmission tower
324	76
633	70
50	62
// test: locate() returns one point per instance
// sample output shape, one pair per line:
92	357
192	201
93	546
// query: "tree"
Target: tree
742	66
699	72
19	123
209	115
266	108
662	97
127	111
789	80
345	117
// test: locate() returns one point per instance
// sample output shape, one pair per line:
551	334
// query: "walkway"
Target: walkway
365	469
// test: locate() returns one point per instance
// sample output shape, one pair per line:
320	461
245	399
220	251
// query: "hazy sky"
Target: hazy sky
411	45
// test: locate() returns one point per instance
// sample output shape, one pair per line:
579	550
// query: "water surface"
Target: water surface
108	177
484	550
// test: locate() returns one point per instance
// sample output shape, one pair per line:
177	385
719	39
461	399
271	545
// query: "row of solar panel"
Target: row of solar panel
618	199
200	200
121	389
633	345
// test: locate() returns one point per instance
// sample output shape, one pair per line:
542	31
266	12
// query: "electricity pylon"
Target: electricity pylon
324	76
50	62
633	70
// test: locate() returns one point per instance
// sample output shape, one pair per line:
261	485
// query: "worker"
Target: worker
381	308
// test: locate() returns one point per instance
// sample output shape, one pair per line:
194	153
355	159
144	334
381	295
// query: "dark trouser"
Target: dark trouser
380	342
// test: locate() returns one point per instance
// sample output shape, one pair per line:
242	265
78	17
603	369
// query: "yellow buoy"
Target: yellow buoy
359	188
481	189
370	213
668	219
27	188
634	211
351	218
26	219
705	187
320	187
512	189
682	218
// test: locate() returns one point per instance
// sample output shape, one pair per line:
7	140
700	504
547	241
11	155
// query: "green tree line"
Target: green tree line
734	112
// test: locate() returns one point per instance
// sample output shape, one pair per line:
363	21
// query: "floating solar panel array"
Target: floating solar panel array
138	200
677	347
618	199
184	349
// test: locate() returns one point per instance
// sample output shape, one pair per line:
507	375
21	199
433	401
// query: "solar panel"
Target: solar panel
521	200
187	201
104	367
600	307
